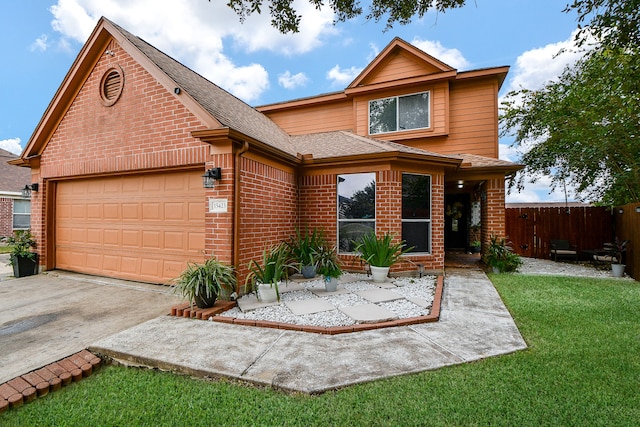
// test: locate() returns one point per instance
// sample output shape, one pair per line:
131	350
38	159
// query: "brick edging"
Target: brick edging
185	310
37	383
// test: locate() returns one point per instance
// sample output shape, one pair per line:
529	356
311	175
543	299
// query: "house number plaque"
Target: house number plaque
217	205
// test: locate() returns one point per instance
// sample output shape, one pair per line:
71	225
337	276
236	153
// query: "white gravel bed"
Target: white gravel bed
417	287
563	268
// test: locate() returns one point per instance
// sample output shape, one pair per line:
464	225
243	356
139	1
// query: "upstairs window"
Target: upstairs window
356	208
399	113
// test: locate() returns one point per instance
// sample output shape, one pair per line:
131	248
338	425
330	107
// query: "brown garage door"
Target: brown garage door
137	227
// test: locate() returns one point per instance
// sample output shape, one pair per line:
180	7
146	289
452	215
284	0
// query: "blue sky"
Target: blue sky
39	40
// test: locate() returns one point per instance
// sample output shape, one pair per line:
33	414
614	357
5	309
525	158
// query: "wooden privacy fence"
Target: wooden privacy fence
627	227
532	229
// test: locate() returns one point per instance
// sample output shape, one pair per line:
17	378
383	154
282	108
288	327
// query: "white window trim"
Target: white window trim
398	113
339	220
402	220
14	213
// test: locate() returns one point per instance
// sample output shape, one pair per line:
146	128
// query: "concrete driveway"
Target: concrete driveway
47	317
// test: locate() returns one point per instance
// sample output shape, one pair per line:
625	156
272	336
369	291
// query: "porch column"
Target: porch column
493	216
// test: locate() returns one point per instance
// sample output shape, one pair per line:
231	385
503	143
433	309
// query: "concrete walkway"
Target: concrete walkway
474	324
48	317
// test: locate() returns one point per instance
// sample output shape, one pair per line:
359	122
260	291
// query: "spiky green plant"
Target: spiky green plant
205	280
273	268
304	247
380	251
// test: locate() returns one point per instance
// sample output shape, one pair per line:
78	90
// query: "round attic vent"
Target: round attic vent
111	86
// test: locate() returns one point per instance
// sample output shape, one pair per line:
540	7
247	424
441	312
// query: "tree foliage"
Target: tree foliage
584	128
616	23
286	18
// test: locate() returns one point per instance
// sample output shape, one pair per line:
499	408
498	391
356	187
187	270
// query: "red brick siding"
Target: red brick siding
318	201
148	128
318	204
269	210
219	226
6	216
493	215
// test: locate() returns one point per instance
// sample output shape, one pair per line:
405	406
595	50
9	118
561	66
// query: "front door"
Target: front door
456	219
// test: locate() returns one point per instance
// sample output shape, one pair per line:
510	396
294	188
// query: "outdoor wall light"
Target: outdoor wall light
26	191
460	183
209	177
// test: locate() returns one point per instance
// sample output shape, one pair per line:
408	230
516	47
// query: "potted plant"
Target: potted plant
475	246
203	283
380	253
329	267
618	248
23	260
304	249
265	277
500	256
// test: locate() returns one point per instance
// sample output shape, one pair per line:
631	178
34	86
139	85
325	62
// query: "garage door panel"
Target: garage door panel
111	237
130	211
151	211
111	211
139	227
174	211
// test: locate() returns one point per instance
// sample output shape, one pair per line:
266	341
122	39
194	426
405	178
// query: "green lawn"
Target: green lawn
5	249
582	368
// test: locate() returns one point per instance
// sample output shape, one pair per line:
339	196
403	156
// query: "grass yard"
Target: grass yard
582	369
5	249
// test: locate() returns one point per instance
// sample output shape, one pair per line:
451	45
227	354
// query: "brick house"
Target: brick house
15	209
410	147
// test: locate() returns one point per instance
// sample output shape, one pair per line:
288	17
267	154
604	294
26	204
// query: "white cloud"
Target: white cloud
292	81
342	77
452	57
533	69
193	32
40	43
538	66
12	145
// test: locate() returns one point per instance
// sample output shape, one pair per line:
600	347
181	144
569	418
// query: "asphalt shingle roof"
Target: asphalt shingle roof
236	114
12	178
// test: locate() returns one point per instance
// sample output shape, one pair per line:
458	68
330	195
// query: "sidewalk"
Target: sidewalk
474	324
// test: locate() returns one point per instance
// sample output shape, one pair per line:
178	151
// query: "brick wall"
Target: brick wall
219	226
6	216
148	128
318	204
493	215
269	211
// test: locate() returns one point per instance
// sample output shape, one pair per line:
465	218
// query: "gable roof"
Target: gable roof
12	178
217	108
425	63
230	111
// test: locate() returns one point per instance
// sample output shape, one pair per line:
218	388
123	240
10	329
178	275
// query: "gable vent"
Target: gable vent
111	86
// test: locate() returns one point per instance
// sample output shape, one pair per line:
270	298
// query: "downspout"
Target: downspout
236	206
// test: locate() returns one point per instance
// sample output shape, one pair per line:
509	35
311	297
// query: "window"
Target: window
21	214
399	113
356	208
416	212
